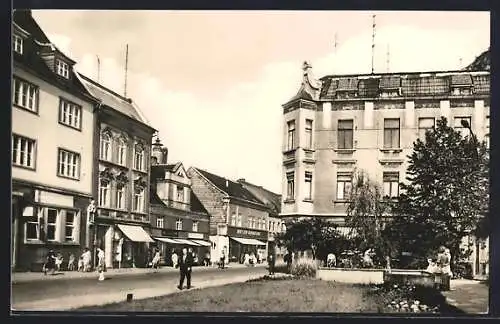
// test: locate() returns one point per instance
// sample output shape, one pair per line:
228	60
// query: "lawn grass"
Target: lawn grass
300	295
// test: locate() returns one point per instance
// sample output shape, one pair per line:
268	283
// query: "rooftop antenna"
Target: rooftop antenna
335	44
98	69
373	40
126	69
388	59
460	62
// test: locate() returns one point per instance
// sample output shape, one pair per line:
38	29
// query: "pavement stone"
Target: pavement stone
471	296
75	302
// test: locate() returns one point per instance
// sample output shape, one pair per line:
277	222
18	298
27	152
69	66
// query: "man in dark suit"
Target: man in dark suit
185	265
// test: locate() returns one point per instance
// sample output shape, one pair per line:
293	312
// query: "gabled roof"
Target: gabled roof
233	189
33	62
113	100
273	200
482	62
196	204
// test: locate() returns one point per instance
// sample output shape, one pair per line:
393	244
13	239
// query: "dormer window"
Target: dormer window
62	68
17	43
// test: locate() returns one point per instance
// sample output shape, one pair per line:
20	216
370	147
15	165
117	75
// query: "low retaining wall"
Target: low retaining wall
413	277
355	276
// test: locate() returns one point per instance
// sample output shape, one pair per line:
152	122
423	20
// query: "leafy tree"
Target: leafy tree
446	194
314	234
366	212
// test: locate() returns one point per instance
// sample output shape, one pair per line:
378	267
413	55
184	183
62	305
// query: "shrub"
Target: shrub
304	268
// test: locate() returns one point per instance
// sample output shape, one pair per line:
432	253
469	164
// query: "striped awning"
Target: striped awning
135	233
246	241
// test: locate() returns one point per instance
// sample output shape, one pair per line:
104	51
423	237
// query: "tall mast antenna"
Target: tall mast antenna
373	40
335	44
126	70
98	69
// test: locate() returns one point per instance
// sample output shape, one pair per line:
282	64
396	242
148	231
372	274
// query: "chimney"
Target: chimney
241	180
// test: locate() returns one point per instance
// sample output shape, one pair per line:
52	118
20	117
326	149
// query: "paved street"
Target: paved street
65	292
468	295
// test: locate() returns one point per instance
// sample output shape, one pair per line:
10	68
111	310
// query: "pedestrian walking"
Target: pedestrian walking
71	262
207	259
175	259
101	266
59	260
222	259
50	263
86	257
155	263
271	261
185	266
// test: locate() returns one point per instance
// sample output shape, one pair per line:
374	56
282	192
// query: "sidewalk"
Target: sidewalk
471	296
18	277
74	302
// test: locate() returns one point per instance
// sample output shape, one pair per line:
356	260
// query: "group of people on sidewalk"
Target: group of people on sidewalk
53	262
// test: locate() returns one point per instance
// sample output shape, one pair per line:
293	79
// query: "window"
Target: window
457	123
70	114
391	184
487	140
195	226
160	222
291	135
290	192
23	151
138	157
32	230
308	177
391	133
69	164
120	195
233	219
69	227
345	134
178	225
25	95
424	124
240	221
122	152
51	224
180	193
62	68
17	43
105	146
344	185
104	193
138	201
309	135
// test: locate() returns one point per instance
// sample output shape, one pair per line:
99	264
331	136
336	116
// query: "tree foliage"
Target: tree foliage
366	212
314	234
446	194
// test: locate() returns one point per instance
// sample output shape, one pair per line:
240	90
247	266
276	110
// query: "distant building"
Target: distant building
52	148
368	121
121	180
238	220
178	219
275	225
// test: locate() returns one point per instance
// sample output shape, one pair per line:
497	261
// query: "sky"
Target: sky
213	82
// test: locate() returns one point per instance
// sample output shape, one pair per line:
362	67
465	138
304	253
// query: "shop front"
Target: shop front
168	241
242	241
125	246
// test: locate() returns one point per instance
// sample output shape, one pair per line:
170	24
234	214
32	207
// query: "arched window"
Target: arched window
105	146
139	157
122	151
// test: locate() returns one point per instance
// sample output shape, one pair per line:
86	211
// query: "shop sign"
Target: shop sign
195	235
241	232
169	232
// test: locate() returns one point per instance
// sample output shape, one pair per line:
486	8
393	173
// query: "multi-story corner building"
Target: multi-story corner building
275	225
121	181
178	218
238	219
343	122
52	148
